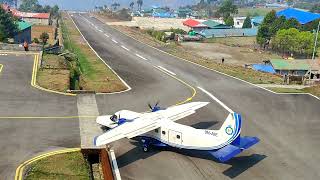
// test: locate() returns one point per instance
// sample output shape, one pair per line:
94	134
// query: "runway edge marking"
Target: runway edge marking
216	99
34	79
115	165
318	98
129	88
21	167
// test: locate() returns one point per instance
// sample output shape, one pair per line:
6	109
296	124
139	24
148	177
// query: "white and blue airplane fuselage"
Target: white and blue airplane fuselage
158	128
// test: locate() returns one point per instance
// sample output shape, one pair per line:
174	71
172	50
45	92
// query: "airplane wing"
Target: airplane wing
175	113
147	122
130	129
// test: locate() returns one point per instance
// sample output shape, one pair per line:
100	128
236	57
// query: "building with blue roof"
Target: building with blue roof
257	20
303	17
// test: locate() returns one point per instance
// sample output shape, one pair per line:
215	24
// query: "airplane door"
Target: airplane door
175	137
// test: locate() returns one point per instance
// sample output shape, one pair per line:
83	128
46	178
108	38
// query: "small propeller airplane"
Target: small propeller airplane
158	128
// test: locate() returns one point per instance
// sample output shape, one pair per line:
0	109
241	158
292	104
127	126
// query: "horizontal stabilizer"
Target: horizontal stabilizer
246	142
226	153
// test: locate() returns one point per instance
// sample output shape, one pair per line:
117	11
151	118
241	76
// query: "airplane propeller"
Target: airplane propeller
155	107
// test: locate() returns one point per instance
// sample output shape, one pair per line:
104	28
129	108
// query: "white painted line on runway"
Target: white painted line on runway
141	57
125	48
3	54
106	35
115	165
115	41
170	72
216	99
100	30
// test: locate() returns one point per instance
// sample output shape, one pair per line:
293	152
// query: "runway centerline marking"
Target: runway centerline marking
167	70
141	57
216	99
115	41
125	47
106	35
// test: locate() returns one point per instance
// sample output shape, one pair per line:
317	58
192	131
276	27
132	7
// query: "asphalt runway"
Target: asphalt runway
288	125
22	138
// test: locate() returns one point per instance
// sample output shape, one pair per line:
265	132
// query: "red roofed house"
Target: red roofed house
195	25
32	18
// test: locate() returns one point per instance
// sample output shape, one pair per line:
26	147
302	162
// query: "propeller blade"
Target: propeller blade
156	105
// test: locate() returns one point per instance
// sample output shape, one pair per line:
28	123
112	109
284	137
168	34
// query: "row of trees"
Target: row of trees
8	27
286	36
34	6
271	25
116	5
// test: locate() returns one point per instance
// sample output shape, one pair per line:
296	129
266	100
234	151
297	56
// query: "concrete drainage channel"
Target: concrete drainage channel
88	111
100	164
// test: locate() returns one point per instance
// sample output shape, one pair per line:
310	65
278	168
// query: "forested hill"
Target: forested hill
89	4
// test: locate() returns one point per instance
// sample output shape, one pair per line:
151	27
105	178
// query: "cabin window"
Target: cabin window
156	130
178	136
163	132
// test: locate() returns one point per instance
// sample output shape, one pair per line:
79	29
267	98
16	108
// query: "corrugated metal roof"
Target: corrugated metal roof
281	64
22	25
257	19
214	24
20	14
193	23
303	17
209	33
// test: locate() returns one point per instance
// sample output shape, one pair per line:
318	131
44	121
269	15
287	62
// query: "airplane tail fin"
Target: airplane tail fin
232	125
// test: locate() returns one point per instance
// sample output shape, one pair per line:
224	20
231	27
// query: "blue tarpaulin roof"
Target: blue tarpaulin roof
303	17
264	68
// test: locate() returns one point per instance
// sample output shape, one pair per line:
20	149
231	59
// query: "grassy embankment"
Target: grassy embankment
94	74
63	166
315	90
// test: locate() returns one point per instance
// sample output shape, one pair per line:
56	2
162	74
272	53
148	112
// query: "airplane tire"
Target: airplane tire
145	149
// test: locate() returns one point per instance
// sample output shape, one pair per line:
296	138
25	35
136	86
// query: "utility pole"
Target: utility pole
315	42
314	50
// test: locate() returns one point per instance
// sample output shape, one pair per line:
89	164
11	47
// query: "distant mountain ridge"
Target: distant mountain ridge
90	4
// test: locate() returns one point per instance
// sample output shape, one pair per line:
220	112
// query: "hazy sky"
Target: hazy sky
89	4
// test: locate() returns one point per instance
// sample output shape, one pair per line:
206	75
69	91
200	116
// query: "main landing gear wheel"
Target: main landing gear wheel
145	149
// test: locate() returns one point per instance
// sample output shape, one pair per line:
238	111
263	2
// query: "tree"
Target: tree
227	8
247	23
266	31
44	37
293	41
29	5
315	8
140	3
115	6
8	26
292	23
131	5
55	11
229	21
